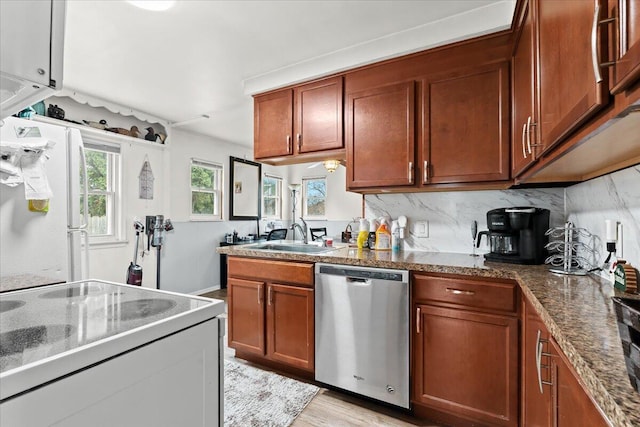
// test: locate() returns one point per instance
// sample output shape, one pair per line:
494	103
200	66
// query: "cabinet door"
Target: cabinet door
466	126
273	124
573	406
571	87
318	124
536	374
628	62
290	325
524	119
467	364
25	40
246	315
380	136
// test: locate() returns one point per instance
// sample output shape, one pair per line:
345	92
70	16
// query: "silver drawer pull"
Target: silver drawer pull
460	292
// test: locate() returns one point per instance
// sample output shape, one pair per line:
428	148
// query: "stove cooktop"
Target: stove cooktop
37	324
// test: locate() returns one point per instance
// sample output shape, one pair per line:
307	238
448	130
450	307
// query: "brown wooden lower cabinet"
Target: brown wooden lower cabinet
272	320
465	354
552	395
246	314
536	370
290	325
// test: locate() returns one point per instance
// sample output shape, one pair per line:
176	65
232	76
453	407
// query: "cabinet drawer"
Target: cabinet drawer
490	294
271	271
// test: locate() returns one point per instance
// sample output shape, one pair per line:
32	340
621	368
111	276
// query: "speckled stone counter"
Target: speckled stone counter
577	310
24	281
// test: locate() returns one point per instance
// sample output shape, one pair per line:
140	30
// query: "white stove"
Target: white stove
51	335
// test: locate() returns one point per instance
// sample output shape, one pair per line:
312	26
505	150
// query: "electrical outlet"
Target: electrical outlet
420	228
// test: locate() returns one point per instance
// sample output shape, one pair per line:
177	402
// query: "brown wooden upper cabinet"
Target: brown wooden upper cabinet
380	136
571	83
627	67
465	125
558	79
524	112
303	119
463	131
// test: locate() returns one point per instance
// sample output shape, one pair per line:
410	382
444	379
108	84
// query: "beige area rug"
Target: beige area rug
253	397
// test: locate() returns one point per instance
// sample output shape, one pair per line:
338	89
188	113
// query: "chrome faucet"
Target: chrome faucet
303	230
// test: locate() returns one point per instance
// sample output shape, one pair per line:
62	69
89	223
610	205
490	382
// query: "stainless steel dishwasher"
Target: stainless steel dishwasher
362	331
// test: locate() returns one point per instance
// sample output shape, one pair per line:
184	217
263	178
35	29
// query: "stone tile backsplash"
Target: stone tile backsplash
449	214
616	197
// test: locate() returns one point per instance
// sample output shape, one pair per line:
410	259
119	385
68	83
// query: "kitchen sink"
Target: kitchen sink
305	248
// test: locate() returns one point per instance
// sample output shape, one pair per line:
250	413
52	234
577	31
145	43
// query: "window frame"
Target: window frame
304	198
278	196
218	170
112	193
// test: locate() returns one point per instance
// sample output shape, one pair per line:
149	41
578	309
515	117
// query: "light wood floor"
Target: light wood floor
336	409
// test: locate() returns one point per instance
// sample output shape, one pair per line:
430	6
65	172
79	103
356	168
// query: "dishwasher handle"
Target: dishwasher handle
362	273
358	280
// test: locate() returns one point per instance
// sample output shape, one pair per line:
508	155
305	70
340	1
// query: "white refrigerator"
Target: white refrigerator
51	245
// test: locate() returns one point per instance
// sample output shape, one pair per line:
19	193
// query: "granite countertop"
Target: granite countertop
24	281
577	310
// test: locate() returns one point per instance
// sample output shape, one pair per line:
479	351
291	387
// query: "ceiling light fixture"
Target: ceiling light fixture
331	165
155	5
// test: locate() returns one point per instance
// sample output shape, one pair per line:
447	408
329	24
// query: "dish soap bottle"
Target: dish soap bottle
373	226
363	234
395	236
383	237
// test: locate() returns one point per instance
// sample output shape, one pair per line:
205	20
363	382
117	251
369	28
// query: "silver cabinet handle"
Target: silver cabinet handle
622	25
538	361
418	320
529	124
460	291
299	138
288	143
524	151
410	172
260	295
269	296
594	44
425	172
539	354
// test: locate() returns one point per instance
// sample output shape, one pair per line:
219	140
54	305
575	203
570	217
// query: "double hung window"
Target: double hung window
206	190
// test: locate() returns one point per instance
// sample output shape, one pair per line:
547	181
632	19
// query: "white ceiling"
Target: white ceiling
208	57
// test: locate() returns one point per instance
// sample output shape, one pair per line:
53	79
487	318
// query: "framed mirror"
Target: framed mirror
244	189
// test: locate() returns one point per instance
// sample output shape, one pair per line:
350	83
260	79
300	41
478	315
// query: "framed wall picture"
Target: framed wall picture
244	194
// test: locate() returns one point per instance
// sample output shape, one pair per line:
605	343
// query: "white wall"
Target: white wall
109	262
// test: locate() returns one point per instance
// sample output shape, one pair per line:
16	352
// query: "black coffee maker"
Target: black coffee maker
517	235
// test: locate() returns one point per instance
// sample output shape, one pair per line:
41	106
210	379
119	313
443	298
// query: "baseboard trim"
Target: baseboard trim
204	291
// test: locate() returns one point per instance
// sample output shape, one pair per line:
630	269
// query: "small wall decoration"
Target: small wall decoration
237	187
146	180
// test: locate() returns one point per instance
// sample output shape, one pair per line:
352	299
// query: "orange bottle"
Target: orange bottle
383	237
